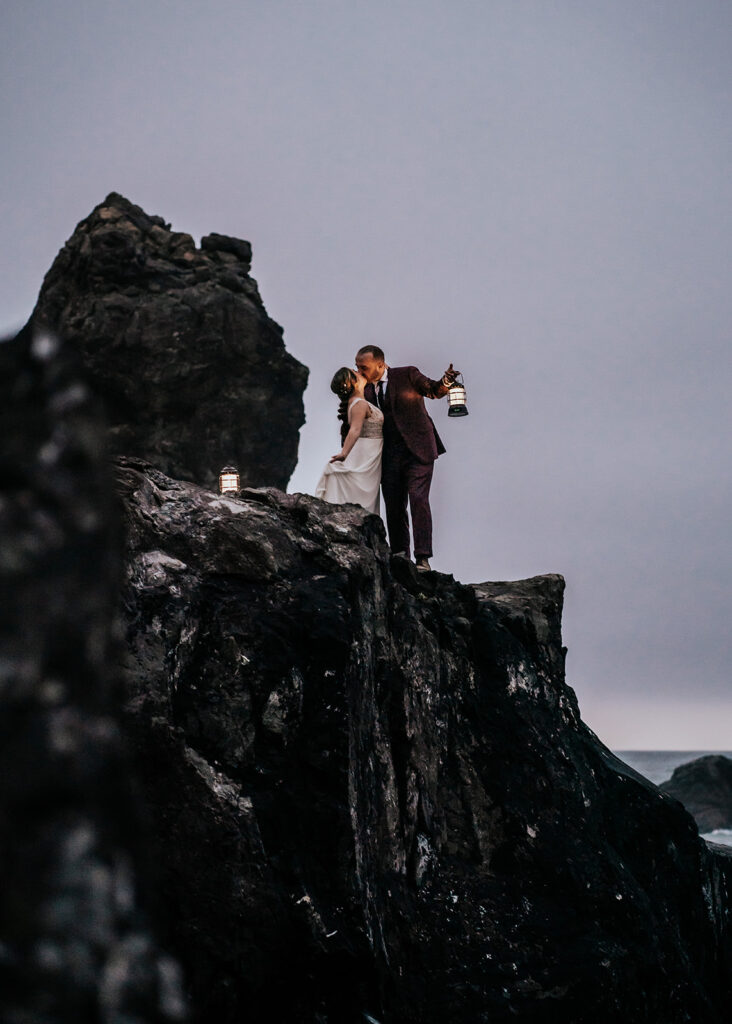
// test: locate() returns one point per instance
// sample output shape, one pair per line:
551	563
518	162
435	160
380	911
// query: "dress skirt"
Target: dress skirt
357	479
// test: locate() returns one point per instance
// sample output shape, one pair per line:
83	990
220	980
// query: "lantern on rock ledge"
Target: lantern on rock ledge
456	398
229	480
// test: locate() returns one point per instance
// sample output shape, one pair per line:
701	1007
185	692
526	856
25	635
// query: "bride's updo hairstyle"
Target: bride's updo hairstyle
342	385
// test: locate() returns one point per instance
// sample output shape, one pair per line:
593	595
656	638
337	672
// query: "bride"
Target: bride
354	474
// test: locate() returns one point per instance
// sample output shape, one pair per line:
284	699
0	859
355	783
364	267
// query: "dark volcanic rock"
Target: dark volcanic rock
374	793
74	943
704	787
176	341
370	791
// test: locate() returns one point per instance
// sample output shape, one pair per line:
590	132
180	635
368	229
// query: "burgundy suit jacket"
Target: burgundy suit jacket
406	390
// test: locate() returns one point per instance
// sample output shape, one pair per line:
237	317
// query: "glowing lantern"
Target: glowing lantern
229	480
456	398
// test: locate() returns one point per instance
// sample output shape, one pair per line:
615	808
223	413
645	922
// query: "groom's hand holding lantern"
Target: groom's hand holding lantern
454	385
449	377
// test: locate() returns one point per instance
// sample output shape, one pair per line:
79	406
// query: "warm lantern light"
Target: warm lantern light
229	480
456	398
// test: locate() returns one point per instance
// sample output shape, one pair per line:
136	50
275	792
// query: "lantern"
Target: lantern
456	398
229	480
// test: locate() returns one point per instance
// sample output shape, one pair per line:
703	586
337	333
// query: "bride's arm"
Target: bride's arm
357	414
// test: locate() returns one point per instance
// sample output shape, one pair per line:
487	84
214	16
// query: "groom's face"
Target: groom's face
371	368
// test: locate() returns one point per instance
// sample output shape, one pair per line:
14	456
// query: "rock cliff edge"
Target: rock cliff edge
373	791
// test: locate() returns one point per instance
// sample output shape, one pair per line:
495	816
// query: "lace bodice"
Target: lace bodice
373	425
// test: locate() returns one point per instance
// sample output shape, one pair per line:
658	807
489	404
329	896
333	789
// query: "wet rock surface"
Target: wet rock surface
177	343
704	787
372	790
76	942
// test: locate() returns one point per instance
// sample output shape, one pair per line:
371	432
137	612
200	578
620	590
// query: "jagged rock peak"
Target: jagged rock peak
154	230
177	343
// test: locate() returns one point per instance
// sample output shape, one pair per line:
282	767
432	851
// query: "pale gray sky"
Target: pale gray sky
537	190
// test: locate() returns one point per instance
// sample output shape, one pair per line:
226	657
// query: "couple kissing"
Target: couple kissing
388	440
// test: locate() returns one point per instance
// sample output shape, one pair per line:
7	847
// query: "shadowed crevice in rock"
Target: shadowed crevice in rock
376	783
177	343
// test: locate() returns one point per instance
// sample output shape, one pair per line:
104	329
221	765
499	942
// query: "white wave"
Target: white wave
723	836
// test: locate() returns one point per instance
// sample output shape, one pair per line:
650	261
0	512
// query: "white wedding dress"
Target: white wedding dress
357	478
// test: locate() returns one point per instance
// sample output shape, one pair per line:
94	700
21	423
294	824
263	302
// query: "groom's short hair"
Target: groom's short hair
376	352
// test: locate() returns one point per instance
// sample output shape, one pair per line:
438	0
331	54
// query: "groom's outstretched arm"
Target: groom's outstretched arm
431	388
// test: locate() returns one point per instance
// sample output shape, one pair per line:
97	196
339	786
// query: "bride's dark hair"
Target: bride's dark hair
342	385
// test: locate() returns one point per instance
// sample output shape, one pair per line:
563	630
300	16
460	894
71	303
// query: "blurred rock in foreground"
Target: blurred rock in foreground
176	342
373	791
704	787
75	945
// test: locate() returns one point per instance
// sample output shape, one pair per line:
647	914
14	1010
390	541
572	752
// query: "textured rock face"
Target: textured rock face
704	787
74	943
373	793
177	343
369	793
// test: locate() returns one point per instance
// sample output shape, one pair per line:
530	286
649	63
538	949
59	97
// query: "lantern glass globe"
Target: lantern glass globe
456	399
229	482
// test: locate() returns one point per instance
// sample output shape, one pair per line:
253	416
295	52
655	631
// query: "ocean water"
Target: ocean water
658	766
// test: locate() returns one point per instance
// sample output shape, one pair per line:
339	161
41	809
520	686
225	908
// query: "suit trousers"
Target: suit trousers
405	479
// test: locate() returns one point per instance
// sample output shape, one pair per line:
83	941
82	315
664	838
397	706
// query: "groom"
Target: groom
411	445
